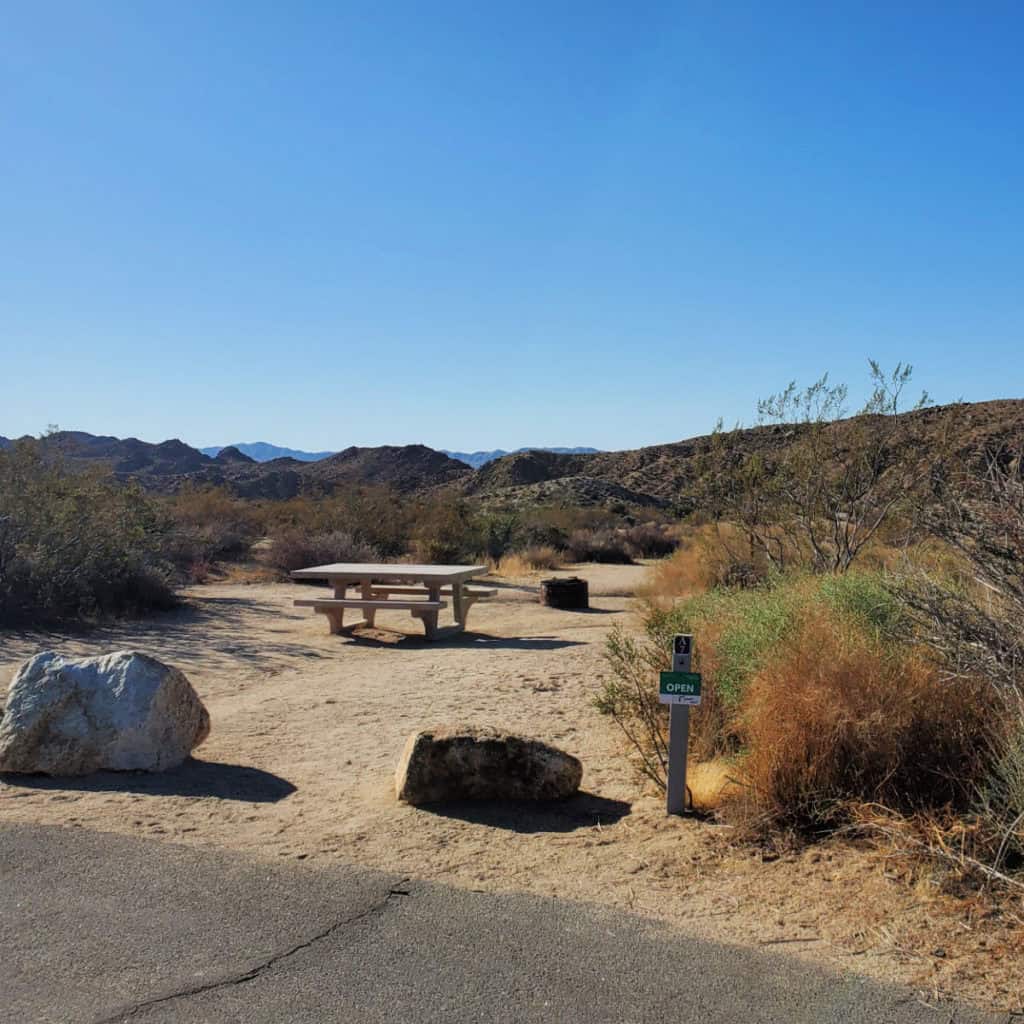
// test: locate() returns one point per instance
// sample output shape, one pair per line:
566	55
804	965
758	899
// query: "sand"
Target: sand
307	728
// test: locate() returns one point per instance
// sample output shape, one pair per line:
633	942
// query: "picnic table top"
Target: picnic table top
390	571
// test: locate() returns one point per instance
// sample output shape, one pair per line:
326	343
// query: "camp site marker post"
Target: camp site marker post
680	689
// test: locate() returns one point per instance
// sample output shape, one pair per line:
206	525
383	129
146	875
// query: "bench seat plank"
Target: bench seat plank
478	592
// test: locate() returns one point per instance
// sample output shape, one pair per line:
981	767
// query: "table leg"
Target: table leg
336	617
430	618
459	607
368	613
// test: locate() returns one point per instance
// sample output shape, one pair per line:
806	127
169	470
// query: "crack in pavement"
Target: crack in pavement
127	1012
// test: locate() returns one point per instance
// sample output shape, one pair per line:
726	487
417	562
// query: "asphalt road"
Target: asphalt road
98	928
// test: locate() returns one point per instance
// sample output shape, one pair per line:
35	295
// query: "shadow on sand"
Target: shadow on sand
386	638
584	810
192	778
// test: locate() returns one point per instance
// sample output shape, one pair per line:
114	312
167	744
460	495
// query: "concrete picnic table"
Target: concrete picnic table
418	588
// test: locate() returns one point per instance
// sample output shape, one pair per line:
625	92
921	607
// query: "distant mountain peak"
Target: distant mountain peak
232	454
263	451
478	459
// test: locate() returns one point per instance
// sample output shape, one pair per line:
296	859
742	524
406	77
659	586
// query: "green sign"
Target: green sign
679	688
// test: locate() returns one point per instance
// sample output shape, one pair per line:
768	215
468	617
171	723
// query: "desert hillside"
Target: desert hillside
658	476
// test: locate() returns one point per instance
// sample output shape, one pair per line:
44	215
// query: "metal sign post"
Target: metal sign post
680	689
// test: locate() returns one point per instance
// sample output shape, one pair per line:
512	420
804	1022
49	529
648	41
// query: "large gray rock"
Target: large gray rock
473	763
118	712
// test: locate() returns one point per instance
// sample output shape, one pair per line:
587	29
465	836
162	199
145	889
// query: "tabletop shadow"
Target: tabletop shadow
465	639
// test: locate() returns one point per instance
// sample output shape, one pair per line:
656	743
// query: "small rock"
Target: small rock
473	763
119	712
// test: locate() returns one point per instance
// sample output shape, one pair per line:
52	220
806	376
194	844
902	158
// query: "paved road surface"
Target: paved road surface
100	928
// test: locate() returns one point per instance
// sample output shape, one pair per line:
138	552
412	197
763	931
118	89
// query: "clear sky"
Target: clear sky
491	224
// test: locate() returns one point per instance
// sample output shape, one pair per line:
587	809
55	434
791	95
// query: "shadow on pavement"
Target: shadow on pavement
193	778
584	810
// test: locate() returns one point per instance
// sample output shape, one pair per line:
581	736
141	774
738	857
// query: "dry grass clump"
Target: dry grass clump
712	783
838	715
539	557
704	556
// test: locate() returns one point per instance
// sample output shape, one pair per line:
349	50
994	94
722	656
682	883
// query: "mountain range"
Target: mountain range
262	451
658	476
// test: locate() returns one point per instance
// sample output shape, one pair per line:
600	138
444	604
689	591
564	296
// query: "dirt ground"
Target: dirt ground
307	728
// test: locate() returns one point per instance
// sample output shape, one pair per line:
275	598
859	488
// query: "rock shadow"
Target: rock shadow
584	810
192	778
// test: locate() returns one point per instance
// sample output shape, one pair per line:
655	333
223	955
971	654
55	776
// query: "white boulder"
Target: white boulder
119	712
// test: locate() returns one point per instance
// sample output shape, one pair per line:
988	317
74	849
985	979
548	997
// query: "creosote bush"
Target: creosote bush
76	545
605	546
650	540
297	549
209	525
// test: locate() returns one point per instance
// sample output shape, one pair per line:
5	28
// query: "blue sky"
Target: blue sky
481	224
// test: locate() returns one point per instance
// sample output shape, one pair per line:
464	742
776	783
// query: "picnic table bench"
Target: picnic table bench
418	589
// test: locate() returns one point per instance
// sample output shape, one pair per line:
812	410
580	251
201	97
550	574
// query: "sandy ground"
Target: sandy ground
307	728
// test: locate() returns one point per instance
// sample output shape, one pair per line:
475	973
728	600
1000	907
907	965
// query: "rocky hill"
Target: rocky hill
659	476
262	451
406	468
478	459
665	475
171	465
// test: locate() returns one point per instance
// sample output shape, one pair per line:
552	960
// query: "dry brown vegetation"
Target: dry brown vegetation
838	715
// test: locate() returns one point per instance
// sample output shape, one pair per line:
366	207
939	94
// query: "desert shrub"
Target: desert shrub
813	699
375	515
818	500
707	555
76	545
497	532
295	549
734	632
1001	804
540	533
867	598
445	532
606	546
209	525
837	715
650	540
967	607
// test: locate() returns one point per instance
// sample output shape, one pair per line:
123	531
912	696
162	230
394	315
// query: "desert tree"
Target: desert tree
813	486
970	611
972	614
